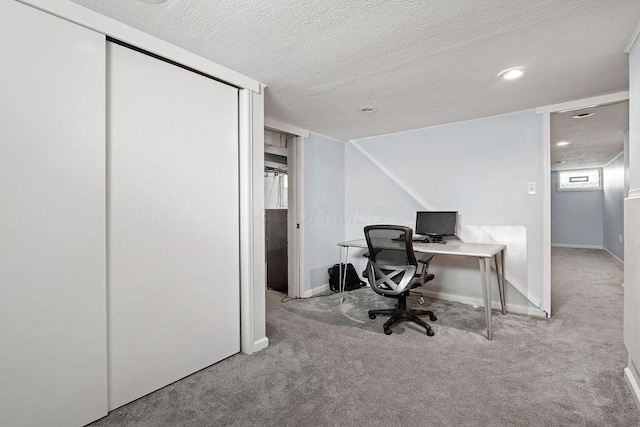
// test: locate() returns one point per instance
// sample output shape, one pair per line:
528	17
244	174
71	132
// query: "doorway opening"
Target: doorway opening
587	150
276	185
283	185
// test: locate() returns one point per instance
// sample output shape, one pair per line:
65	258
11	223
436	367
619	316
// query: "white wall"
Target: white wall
576	216
634	114
632	231
324	186
613	206
479	168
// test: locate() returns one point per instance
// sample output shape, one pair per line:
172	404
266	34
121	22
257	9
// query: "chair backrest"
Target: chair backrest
390	244
392	263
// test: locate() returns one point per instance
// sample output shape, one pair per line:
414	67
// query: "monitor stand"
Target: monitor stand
436	238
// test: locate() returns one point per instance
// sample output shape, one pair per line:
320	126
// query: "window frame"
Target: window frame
600	175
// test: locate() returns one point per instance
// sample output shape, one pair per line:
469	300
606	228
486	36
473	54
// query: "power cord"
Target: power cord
322	295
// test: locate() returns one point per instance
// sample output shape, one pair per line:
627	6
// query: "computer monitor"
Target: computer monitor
436	223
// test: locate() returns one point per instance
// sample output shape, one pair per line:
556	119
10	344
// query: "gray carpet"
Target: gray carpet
329	365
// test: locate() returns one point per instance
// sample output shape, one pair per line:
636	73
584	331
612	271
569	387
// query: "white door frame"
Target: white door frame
546	177
295	219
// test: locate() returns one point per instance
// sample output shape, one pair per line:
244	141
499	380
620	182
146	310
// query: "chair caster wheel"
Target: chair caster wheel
433	318
372	316
389	331
430	333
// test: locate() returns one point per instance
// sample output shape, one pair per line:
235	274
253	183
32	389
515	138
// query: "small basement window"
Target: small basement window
580	180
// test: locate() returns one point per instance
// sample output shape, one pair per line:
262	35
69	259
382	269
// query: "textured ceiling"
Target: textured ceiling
595	140
420	62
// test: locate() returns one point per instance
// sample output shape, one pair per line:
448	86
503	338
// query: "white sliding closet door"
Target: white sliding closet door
173	223
53	338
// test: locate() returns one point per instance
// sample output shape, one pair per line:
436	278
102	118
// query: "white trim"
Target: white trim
316	291
633	39
478	302
407	188
258	268
92	20
292	234
260	344
618	260
564	245
329	137
633	193
612	160
633	385
283	127
245	106
293	243
300	209
584	103
252	271
546	212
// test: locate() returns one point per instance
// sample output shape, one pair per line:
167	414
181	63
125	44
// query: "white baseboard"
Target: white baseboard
261	344
618	260
316	291
511	308
562	245
634	388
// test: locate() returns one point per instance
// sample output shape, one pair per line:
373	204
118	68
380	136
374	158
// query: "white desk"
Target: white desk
484	252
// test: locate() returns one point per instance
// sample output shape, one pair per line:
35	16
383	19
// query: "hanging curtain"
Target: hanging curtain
276	189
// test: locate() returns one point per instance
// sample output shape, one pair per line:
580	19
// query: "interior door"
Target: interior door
276	248
173	223
53	338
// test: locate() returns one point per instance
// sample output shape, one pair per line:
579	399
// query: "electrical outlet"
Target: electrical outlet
620	238
531	188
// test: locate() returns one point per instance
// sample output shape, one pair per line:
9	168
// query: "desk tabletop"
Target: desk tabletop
452	247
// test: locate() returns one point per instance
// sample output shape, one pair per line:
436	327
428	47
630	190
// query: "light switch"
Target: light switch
531	188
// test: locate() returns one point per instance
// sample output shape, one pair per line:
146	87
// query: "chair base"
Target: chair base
401	313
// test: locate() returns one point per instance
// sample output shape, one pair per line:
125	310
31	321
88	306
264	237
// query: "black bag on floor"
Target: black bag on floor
352	280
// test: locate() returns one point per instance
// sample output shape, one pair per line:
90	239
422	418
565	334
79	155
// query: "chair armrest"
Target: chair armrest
424	260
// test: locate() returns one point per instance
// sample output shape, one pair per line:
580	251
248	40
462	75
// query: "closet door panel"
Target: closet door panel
53	339
173	223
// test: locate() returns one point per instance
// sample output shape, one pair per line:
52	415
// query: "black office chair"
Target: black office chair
393	270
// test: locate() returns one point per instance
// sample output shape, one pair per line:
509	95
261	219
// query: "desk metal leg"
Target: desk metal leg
499	260
485	273
343	272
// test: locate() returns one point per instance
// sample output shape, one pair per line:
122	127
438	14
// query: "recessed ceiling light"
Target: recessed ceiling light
563	143
512	73
582	115
367	109
153	1
561	162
